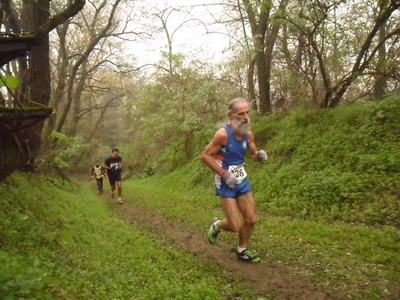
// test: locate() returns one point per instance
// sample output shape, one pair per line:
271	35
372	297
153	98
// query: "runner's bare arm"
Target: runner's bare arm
218	141
252	148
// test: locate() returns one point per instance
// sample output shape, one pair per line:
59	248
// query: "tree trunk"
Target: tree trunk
18	135
250	83
39	81
258	25
380	78
20	128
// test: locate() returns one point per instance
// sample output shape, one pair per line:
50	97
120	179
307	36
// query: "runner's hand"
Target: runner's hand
230	179
262	155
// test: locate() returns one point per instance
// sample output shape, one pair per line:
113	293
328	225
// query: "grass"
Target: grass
359	259
327	203
66	244
334	165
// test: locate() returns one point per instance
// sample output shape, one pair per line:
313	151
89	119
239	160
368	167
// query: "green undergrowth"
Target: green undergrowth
327	197
360	261
60	242
327	204
339	164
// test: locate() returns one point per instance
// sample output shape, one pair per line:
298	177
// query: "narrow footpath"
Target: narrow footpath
270	279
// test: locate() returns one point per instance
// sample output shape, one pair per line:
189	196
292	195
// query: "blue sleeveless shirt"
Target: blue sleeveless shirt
232	154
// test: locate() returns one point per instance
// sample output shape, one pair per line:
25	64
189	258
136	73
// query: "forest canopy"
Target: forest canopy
281	55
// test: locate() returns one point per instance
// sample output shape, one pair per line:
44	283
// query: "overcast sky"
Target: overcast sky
190	38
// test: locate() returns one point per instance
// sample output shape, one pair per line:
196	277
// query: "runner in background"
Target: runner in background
98	173
113	165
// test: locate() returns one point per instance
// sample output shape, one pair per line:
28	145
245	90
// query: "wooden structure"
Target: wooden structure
18	141
13	46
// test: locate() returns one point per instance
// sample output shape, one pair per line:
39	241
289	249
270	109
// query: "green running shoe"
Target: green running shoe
248	256
213	232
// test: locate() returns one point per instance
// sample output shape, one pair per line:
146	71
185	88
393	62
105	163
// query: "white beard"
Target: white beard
241	128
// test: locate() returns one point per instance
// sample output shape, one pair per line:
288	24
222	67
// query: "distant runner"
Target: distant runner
113	164
98	173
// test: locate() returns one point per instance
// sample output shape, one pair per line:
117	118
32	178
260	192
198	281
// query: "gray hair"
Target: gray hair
233	102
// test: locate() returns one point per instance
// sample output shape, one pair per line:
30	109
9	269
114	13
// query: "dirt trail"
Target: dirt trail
273	280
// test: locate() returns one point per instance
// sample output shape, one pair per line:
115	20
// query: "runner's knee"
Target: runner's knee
235	226
251	221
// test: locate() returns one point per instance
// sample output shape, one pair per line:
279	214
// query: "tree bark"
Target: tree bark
380	78
24	135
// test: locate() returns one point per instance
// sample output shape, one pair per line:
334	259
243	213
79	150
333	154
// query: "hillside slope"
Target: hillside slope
328	217
338	164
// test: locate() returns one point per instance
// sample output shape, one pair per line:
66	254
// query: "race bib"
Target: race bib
239	172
